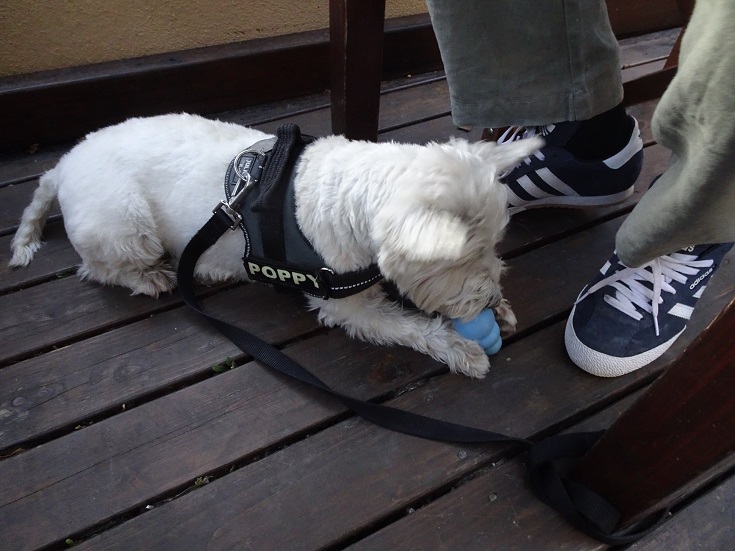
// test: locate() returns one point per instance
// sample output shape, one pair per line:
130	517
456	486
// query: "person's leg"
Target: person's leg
641	301
525	62
694	200
554	68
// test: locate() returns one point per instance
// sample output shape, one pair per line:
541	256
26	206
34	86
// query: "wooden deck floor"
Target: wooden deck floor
123	425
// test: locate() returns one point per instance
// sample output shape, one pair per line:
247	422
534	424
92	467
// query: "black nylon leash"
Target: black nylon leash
582	508
386	416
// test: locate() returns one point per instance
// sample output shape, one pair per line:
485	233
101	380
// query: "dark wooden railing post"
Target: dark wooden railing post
681	428
356	56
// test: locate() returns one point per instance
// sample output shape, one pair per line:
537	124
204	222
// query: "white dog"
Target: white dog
133	195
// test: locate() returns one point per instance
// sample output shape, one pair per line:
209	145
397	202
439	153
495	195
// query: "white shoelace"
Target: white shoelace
630	292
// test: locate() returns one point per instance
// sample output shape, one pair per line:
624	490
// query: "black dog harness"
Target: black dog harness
259	187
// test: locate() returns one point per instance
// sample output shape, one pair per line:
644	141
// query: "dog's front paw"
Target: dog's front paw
506	318
468	358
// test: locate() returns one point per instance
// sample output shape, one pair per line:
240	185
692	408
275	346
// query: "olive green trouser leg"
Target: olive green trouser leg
694	200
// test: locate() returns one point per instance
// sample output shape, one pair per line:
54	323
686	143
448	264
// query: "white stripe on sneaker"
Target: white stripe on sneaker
634	145
681	311
514	200
531	188
547	176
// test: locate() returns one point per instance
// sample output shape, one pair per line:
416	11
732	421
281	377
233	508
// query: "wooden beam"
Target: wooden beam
647	87
63	105
356	58
633	17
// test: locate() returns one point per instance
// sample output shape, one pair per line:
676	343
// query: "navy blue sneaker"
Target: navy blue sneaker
554	177
628	317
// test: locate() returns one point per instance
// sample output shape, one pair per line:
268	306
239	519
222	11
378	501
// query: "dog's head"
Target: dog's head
437	235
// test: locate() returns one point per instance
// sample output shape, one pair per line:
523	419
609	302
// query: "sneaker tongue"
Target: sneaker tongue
558	135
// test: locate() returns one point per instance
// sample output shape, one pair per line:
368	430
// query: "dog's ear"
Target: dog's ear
506	155
422	234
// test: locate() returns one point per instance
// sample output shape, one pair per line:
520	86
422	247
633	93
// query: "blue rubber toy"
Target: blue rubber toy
483	329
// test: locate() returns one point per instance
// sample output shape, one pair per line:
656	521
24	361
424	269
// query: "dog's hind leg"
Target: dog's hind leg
145	277
371	317
125	250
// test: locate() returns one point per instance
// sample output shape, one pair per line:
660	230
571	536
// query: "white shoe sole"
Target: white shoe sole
576	201
602	365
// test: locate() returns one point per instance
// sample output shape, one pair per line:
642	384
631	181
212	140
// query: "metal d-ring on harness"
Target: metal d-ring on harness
587	511
231	206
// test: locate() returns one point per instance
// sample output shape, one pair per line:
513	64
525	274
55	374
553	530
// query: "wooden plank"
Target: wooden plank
30	321
19	167
648	47
647	87
320	477
65	387
492	510
704	524
56	258
402	107
441	128
165	444
13	199
630	17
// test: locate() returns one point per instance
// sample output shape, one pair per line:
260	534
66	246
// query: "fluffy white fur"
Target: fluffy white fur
132	196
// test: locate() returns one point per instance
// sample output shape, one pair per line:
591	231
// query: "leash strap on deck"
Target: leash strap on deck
581	507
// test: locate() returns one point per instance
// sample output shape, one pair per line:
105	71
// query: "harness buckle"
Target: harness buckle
324	274
233	215
231	208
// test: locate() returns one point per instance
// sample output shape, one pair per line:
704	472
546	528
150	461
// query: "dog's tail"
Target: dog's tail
27	238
